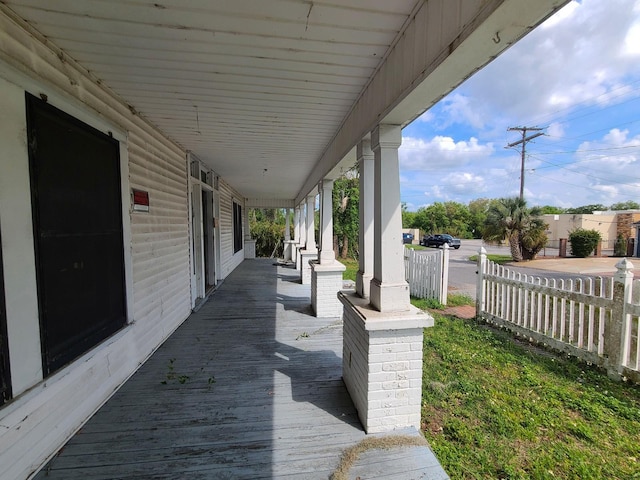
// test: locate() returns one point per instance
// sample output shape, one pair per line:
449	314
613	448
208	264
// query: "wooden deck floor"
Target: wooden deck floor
249	387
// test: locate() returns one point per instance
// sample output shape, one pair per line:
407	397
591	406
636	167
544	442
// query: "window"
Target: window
77	225
237	227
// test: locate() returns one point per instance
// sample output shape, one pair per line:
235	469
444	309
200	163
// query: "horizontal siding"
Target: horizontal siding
229	260
37	423
160	237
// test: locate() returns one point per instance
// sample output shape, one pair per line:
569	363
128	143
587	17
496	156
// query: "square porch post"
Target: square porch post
249	243
382	340
288	243
302	233
326	272
310	251
365	212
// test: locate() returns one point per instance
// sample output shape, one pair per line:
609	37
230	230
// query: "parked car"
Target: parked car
407	238
439	240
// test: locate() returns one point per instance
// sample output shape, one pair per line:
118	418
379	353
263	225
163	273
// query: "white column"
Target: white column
288	243
389	289
302	236
303	226
310	251
247	227
382	336
296	224
311	234
365	268
249	243
287	226
326	272
327	255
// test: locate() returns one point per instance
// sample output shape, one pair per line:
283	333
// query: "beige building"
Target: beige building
610	224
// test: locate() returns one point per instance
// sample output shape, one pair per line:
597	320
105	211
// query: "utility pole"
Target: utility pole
523	142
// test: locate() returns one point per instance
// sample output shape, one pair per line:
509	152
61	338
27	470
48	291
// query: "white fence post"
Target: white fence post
617	332
480	297
444	274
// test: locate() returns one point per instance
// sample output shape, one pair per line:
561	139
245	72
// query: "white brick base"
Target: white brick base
305	268
382	363
326	282
249	248
289	251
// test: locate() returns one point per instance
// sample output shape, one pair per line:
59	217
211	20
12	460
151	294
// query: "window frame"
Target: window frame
237	227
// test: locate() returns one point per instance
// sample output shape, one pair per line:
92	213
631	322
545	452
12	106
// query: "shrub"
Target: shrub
583	242
620	248
268	237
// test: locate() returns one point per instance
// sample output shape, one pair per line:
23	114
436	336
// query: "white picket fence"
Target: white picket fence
595	319
427	273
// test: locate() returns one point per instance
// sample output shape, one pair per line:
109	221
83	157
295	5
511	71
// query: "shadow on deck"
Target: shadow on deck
248	387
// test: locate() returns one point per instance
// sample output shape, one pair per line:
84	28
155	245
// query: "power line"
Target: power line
523	142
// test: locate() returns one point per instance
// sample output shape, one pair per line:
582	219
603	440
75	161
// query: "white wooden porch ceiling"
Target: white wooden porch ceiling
257	89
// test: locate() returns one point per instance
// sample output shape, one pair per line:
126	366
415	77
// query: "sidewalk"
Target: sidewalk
579	266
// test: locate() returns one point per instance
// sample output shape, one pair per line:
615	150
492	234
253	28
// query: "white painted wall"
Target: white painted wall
45	413
17	242
229	259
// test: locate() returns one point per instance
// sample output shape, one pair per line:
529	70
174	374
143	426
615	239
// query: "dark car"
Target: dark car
407	238
439	240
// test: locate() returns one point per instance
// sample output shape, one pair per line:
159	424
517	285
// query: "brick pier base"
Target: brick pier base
305	269
326	282
382	363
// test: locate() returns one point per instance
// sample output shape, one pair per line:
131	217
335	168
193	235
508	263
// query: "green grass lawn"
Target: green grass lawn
415	247
499	259
352	268
495	408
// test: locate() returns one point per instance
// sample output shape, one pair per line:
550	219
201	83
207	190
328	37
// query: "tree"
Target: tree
586	209
267	229
477	216
551	210
408	218
628	205
449	217
346	219
511	219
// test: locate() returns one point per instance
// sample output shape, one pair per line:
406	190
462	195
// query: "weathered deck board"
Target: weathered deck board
248	387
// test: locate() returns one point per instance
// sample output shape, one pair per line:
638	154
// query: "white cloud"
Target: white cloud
578	55
426	117
459	109
441	152
555	130
605	170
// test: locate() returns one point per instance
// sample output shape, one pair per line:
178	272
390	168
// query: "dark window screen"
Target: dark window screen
77	210
237	227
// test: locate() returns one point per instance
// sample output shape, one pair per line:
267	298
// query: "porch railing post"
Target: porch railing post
617	332
480	297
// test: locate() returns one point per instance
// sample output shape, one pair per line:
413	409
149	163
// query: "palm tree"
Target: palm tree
511	219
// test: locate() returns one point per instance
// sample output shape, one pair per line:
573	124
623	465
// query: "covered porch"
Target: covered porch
208	109
248	387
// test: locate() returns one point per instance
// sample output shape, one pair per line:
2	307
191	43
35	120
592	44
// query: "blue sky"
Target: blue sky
578	76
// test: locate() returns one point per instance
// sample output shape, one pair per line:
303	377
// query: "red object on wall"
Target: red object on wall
140	201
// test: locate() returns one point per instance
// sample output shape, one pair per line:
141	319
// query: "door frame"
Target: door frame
202	185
